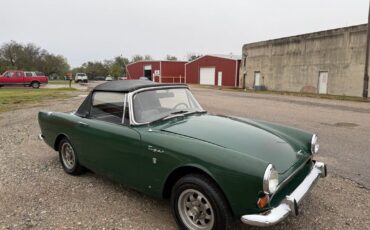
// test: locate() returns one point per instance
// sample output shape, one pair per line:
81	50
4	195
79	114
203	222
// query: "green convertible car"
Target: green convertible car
156	138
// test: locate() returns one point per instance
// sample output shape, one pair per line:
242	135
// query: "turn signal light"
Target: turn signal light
263	201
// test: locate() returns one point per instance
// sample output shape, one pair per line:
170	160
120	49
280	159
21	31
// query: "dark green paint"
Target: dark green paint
233	151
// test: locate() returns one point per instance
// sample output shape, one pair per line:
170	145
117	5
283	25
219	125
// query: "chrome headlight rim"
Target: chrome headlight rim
270	180
314	144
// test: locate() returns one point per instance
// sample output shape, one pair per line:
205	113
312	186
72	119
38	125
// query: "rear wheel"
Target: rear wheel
68	158
35	85
198	204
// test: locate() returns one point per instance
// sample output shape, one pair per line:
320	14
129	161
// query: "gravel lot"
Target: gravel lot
36	193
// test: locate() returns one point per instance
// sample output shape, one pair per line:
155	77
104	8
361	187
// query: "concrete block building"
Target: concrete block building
326	62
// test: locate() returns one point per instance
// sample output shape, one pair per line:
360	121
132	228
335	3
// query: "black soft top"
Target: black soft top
122	86
129	85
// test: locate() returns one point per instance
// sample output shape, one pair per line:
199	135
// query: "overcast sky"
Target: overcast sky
84	30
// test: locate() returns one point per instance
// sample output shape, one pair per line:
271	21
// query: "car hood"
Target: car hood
241	136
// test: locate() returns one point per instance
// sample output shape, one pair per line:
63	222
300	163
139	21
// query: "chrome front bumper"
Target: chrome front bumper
290	203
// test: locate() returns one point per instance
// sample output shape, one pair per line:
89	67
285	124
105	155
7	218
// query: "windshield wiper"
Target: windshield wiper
170	115
176	113
179	112
196	111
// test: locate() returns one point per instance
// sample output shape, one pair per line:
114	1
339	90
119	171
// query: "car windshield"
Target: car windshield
157	104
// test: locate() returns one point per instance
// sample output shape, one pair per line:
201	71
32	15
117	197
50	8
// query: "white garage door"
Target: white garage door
207	76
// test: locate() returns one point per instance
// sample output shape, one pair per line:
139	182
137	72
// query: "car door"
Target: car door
110	147
19	77
8	78
3	78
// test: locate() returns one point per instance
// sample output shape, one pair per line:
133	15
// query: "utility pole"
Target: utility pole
365	91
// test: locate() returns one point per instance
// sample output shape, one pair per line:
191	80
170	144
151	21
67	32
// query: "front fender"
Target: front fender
237	174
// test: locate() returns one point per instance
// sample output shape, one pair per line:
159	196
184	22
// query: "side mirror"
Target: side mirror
85	114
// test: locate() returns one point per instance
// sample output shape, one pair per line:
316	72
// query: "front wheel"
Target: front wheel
68	158
198	204
35	85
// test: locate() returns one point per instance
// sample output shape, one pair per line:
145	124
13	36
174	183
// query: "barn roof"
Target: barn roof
149	61
129	85
224	56
227	56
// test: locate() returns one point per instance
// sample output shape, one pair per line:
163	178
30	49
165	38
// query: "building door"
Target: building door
323	82
219	78
148	71
207	76
257	79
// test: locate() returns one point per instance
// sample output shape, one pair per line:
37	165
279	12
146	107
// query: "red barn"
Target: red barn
216	70
159	71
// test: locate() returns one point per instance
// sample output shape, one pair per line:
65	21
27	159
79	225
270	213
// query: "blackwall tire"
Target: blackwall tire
35	85
68	158
198	204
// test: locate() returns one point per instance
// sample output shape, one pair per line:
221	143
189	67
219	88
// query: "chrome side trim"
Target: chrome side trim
290	203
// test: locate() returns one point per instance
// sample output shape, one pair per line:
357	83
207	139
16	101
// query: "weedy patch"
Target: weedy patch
13	98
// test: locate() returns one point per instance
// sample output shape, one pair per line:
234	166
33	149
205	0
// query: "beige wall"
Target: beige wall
293	63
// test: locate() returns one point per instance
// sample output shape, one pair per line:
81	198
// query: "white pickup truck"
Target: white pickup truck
81	77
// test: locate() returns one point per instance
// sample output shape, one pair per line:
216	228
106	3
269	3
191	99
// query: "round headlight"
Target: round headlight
314	144
270	179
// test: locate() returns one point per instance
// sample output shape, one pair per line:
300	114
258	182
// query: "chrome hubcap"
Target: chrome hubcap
68	155
195	210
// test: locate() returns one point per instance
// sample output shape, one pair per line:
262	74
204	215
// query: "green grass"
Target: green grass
13	98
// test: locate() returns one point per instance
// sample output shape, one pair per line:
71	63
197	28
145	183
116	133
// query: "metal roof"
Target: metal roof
225	56
143	61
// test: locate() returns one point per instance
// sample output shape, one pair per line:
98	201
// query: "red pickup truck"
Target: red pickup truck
26	78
